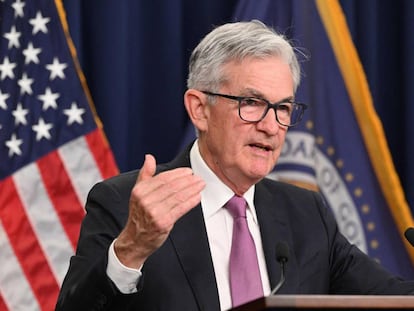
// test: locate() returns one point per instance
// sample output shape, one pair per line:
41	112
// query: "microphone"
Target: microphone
409	235
282	256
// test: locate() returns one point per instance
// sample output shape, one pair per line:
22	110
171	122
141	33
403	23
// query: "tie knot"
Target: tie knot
237	206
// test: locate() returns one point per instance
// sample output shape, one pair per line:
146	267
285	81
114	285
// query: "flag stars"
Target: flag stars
19	115
18	8
349	177
13	37
56	69
30	54
365	209
74	114
14	145
39	23
319	140
42	129
340	163
358	192
3	98
49	99
6	69
374	244
25	84
371	226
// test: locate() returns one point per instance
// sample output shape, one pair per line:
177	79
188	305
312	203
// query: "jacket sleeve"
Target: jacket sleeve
86	285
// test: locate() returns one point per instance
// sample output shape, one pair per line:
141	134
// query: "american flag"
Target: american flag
52	150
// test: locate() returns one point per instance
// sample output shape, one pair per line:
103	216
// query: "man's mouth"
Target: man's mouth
260	146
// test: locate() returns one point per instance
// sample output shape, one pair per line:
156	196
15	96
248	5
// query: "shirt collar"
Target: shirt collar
216	193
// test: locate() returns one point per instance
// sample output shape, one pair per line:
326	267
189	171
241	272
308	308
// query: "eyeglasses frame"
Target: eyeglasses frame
270	105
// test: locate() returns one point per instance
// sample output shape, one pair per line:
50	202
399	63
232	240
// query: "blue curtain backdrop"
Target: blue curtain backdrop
134	55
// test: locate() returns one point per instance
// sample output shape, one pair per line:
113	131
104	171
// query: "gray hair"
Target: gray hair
235	42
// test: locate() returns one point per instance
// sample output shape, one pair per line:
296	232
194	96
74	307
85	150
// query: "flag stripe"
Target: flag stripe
26	246
44	219
12	277
101	153
3	306
64	201
369	123
77	163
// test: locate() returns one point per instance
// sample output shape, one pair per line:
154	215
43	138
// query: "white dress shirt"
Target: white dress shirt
219	226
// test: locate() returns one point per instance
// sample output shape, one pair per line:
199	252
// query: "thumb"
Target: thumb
148	168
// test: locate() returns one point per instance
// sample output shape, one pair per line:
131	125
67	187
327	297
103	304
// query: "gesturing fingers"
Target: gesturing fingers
156	203
148	183
168	196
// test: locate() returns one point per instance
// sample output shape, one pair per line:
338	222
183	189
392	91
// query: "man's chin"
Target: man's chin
257	175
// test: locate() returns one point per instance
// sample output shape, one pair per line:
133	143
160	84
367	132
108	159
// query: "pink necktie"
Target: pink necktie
245	281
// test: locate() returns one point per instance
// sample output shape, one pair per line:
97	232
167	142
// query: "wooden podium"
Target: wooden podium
329	302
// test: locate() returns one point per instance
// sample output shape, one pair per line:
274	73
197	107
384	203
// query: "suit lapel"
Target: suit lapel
272	216
189	238
190	241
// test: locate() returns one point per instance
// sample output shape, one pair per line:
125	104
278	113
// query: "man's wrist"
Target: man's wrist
125	278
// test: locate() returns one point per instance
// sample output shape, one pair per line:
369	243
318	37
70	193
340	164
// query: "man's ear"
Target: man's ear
197	108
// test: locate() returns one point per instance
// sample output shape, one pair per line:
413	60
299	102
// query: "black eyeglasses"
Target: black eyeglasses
252	109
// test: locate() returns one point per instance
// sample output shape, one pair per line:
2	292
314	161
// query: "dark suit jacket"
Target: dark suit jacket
180	276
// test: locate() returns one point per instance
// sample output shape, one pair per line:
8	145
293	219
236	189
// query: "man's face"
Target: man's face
242	153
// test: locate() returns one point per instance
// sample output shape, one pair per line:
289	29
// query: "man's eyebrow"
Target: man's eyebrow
248	92
252	93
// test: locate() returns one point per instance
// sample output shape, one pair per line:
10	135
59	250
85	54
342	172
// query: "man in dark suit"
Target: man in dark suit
162	238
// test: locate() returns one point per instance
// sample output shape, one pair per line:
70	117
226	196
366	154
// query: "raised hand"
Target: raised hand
156	203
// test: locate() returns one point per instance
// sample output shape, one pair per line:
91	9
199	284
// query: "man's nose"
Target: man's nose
269	123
